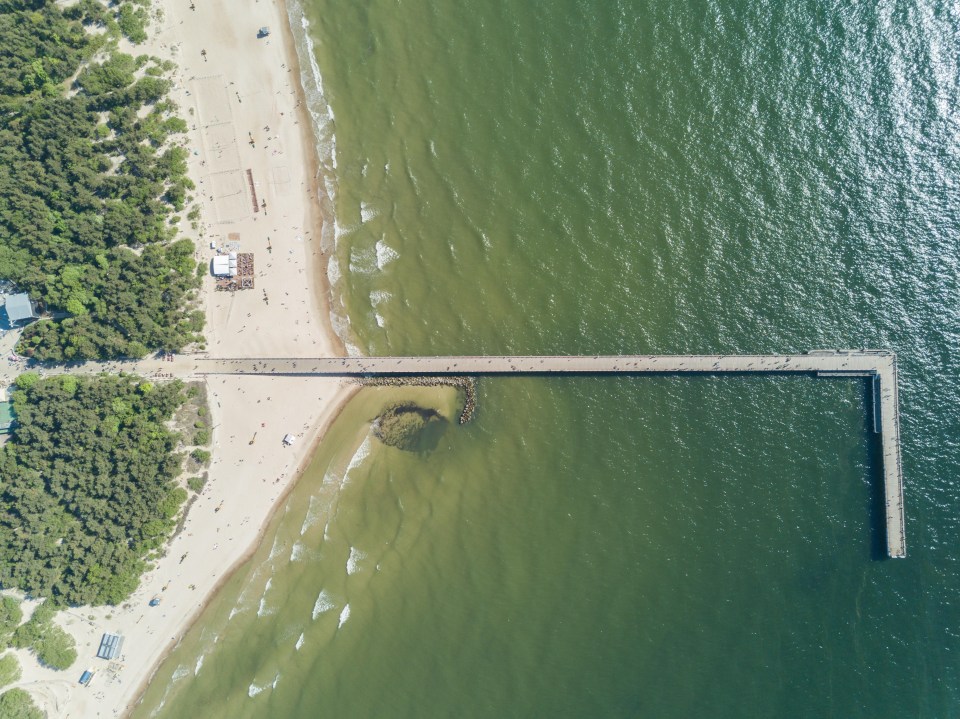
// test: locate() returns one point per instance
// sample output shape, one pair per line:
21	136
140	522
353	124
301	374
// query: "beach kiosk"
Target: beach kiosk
110	646
289	439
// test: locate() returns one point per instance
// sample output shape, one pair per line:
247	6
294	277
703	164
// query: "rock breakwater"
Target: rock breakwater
467	384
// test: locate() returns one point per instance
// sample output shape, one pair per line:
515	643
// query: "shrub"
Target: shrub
55	648
132	22
9	670
196	484
52	645
171	503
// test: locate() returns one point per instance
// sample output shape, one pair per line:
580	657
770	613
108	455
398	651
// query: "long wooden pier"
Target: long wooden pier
879	365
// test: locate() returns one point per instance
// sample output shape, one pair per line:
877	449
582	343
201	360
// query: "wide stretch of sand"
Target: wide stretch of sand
242	88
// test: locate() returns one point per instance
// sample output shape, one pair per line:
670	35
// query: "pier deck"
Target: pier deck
878	364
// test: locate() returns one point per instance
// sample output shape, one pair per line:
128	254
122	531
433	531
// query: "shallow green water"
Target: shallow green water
581	177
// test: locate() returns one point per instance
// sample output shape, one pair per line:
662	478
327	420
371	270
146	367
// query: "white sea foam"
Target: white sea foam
330	184
296	552
340	324
378	297
313	516
300	641
368	212
353	561
333	271
253	689
341	230
385	254
275	549
323	604
344	616
263	609
328	139
363	451
181	672
196	669
363	260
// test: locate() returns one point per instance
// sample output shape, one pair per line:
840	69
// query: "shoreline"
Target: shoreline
321	293
188	623
317	277
243	87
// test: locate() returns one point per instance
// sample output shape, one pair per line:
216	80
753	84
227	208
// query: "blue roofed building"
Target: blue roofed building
110	646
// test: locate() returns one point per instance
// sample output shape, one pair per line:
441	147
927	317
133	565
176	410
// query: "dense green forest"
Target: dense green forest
89	184
86	485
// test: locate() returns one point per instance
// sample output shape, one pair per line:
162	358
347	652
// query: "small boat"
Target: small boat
263	32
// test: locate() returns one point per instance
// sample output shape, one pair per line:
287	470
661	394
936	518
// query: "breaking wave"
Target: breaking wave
353	561
323	604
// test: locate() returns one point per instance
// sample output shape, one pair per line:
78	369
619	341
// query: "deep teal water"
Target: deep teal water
586	177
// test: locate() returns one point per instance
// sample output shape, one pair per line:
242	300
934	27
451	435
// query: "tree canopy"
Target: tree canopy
17	704
89	182
86	485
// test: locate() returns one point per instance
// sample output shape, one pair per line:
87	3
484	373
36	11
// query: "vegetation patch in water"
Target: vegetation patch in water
403	424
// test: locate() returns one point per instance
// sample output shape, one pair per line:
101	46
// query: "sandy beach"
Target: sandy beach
249	135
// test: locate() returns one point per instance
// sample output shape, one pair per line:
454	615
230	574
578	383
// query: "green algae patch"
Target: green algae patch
405	425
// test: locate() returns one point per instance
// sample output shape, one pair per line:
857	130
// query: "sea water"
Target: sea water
621	177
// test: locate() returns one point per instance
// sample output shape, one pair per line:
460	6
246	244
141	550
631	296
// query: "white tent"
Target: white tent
224	266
